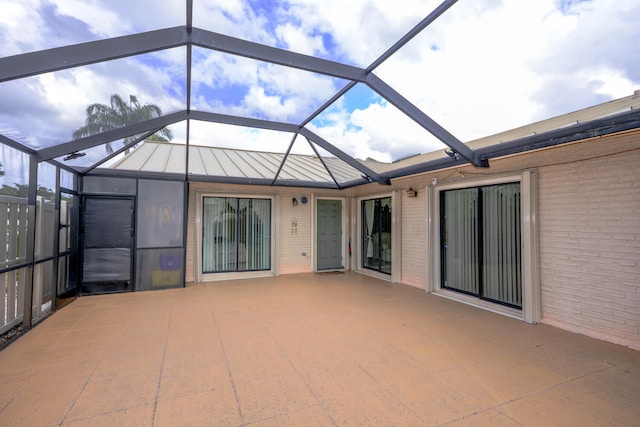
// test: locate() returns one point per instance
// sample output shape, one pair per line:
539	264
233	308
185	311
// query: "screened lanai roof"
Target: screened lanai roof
346	85
258	167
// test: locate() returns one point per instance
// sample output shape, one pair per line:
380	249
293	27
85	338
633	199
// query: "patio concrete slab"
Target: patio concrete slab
308	350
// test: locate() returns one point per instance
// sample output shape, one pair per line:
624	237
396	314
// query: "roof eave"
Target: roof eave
580	131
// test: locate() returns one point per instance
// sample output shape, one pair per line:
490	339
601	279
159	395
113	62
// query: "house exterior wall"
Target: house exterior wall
294	233
414	238
293	223
590	247
588	229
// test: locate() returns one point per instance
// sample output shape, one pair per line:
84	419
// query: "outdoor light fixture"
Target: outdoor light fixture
74	155
294	201
411	192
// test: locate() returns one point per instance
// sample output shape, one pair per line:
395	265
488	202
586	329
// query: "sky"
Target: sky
481	68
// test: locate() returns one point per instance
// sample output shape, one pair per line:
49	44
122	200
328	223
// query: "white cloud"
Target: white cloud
481	74
234	18
273	92
361	30
102	21
380	131
20	30
481	68
227	136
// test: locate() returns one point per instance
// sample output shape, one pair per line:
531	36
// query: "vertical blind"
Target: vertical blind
460	245
501	243
236	234
480	241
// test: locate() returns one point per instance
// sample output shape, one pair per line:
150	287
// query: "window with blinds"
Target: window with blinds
480	241
236	234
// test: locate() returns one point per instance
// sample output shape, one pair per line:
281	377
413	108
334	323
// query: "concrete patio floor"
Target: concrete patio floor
308	350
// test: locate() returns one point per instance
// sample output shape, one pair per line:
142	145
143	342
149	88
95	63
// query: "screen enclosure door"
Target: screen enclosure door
107	244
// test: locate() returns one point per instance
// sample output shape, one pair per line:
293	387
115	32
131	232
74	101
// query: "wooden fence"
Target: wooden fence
13	252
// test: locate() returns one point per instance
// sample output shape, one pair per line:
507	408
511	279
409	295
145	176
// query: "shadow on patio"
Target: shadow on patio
311	349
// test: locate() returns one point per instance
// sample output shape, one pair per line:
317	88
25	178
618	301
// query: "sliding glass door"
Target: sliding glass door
481	242
236	234
376	234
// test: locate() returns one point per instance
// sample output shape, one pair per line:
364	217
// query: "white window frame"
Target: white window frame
530	311
210	277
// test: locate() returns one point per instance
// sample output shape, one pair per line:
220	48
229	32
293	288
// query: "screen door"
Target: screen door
107	244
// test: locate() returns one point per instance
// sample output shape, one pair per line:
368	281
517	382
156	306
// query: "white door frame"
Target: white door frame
396	233
345	232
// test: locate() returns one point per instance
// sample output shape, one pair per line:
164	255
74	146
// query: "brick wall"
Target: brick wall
589	216
414	244
293	223
294	234
191	241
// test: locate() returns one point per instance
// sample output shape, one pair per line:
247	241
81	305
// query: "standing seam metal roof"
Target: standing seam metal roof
227	162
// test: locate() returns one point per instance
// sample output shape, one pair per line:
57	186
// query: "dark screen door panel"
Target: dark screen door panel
107	245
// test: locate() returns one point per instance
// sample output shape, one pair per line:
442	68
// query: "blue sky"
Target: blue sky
481	68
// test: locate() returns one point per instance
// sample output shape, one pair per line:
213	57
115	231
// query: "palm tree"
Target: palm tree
102	118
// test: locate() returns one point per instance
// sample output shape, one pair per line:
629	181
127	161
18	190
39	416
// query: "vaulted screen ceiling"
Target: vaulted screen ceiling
334	80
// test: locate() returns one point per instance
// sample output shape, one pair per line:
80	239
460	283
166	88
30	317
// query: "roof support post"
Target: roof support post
315	150
14	144
284	158
27	314
120	150
111	135
388	93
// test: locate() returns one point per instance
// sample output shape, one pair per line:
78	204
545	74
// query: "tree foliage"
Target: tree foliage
118	114
22	190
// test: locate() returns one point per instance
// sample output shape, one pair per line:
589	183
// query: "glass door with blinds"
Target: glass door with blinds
236	234
480	240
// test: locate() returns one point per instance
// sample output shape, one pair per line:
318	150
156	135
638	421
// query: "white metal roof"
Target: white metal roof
153	156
